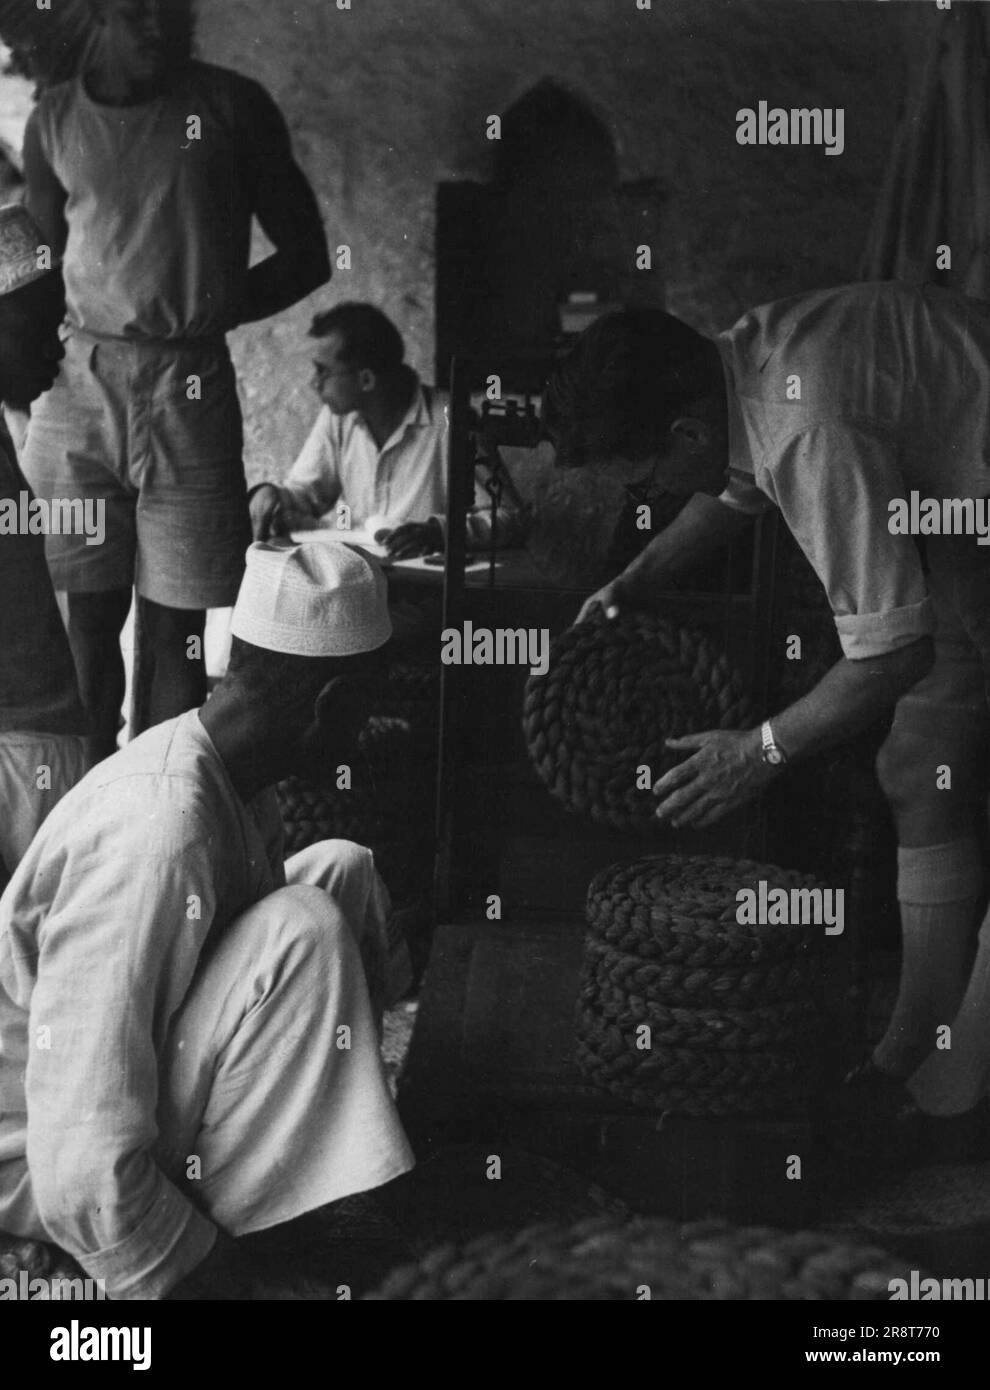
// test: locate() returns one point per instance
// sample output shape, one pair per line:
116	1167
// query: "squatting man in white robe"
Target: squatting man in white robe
188	1048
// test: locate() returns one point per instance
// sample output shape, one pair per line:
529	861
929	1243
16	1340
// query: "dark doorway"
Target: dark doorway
554	222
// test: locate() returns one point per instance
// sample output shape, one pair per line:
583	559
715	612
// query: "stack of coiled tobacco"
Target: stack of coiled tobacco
388	804
685	1008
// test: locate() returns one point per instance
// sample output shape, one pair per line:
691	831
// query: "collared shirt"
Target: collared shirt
129	881
405	480
842	401
38	689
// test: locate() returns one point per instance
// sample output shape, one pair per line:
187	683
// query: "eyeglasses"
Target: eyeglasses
324	373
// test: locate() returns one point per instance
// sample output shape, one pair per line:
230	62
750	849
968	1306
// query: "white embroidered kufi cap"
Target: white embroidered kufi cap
318	598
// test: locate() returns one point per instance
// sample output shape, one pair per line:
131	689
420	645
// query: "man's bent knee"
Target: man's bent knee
303	921
914	766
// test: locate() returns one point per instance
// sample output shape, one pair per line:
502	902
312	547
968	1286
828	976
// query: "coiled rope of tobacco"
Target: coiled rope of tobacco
311	813
614	691
684	909
608	1259
682	1007
392	781
765	1026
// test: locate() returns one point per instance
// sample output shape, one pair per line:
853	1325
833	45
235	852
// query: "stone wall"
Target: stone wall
389	97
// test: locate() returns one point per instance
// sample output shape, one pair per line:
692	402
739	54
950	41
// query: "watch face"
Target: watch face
773	756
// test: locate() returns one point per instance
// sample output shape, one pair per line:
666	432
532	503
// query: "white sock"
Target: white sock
939	888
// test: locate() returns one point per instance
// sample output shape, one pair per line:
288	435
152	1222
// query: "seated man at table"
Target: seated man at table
378	450
188	1048
42	724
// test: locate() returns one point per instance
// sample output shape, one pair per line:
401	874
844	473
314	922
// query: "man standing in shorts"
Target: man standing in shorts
145	172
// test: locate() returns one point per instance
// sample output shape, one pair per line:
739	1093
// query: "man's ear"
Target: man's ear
367	380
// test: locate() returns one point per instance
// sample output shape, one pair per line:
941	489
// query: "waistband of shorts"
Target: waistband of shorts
216	342
19	737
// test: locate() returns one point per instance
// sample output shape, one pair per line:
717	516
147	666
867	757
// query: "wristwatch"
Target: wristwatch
772	753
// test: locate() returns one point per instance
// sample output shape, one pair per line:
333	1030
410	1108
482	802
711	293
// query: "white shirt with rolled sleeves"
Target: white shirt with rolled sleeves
405	480
894	384
111	933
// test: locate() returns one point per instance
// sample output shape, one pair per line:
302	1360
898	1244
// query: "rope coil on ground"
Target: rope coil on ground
682	1007
697	985
617	1048
606	1259
692	1097
614	691
761	1027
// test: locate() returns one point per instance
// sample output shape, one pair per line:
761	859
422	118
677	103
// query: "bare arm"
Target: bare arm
46	198
850	697
726	768
286	208
702	526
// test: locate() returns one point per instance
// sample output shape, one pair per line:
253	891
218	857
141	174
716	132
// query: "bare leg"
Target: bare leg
94	625
172	663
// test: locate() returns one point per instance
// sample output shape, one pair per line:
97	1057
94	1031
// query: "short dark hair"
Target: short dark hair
624	383
100	7
285	682
282	679
369	337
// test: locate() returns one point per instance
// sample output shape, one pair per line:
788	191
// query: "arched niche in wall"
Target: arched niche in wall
554	221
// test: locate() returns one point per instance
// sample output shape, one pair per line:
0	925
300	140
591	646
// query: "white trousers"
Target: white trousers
274	1099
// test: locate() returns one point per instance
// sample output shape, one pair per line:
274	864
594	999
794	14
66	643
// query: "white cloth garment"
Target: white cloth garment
405	480
164	998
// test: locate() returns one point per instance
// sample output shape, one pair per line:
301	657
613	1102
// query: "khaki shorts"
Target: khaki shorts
954	697
118	428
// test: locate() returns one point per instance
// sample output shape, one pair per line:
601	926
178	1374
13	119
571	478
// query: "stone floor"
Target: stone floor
938	1218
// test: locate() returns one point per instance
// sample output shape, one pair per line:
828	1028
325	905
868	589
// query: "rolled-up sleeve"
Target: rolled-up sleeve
312	485
116	954
833	483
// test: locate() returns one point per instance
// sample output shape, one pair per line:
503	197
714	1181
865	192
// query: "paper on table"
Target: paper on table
357	535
